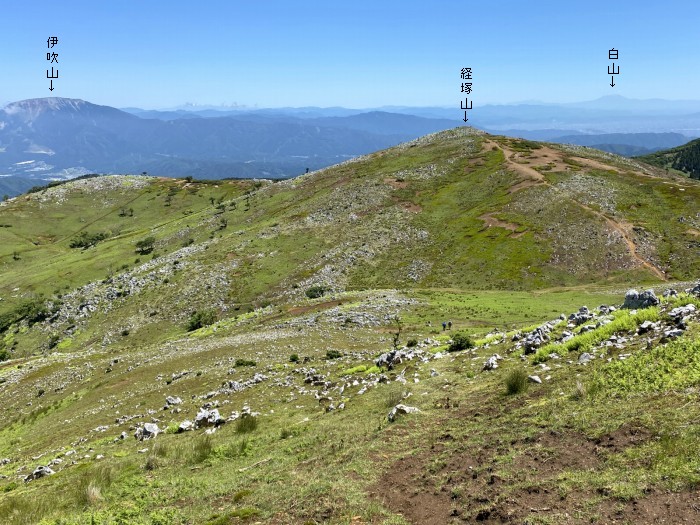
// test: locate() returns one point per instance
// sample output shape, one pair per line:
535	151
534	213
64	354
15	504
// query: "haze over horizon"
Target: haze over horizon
362	55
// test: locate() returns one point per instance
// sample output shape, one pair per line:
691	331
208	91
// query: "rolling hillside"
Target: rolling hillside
685	158
250	325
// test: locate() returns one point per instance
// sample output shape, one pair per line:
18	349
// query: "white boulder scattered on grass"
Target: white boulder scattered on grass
39	472
400	410
147	431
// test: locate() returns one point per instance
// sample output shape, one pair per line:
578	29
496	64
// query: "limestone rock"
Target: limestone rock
585	357
38	473
170	401
185	426
492	362
634	299
208	418
646	326
400	410
673	333
147	431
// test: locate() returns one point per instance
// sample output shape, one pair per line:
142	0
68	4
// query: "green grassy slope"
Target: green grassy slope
493	234
685	159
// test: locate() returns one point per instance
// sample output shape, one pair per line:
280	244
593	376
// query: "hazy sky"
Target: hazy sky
360	53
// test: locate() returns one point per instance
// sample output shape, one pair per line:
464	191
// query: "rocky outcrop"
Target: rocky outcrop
634	299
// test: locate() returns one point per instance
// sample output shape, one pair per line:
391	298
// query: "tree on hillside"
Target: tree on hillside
86	240
145	246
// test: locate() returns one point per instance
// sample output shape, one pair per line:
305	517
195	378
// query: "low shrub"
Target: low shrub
333	354
460	341
354	370
200	319
315	292
245	362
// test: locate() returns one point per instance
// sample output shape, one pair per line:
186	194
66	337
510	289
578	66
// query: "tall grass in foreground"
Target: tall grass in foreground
674	367
516	381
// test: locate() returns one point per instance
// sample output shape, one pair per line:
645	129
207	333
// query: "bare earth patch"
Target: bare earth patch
490	221
473	486
396	184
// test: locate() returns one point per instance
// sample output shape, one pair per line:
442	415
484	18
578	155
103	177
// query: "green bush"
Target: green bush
516	381
460	341
86	240
245	362
333	354
294	358
354	370
145	246
200	319
33	311
412	342
315	292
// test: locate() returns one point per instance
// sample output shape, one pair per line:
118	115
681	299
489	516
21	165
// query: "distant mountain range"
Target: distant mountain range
609	114
43	139
57	138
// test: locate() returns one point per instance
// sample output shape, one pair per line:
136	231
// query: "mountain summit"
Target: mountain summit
37	106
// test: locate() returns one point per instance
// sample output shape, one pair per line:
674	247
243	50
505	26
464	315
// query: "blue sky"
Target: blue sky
158	54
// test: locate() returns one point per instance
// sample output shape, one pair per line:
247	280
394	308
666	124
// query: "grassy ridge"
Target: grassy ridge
95	339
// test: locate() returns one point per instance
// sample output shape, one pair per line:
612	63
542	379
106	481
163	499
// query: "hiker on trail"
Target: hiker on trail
444	326
449	325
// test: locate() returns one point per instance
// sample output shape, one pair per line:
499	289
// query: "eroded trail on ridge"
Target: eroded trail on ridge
532	177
